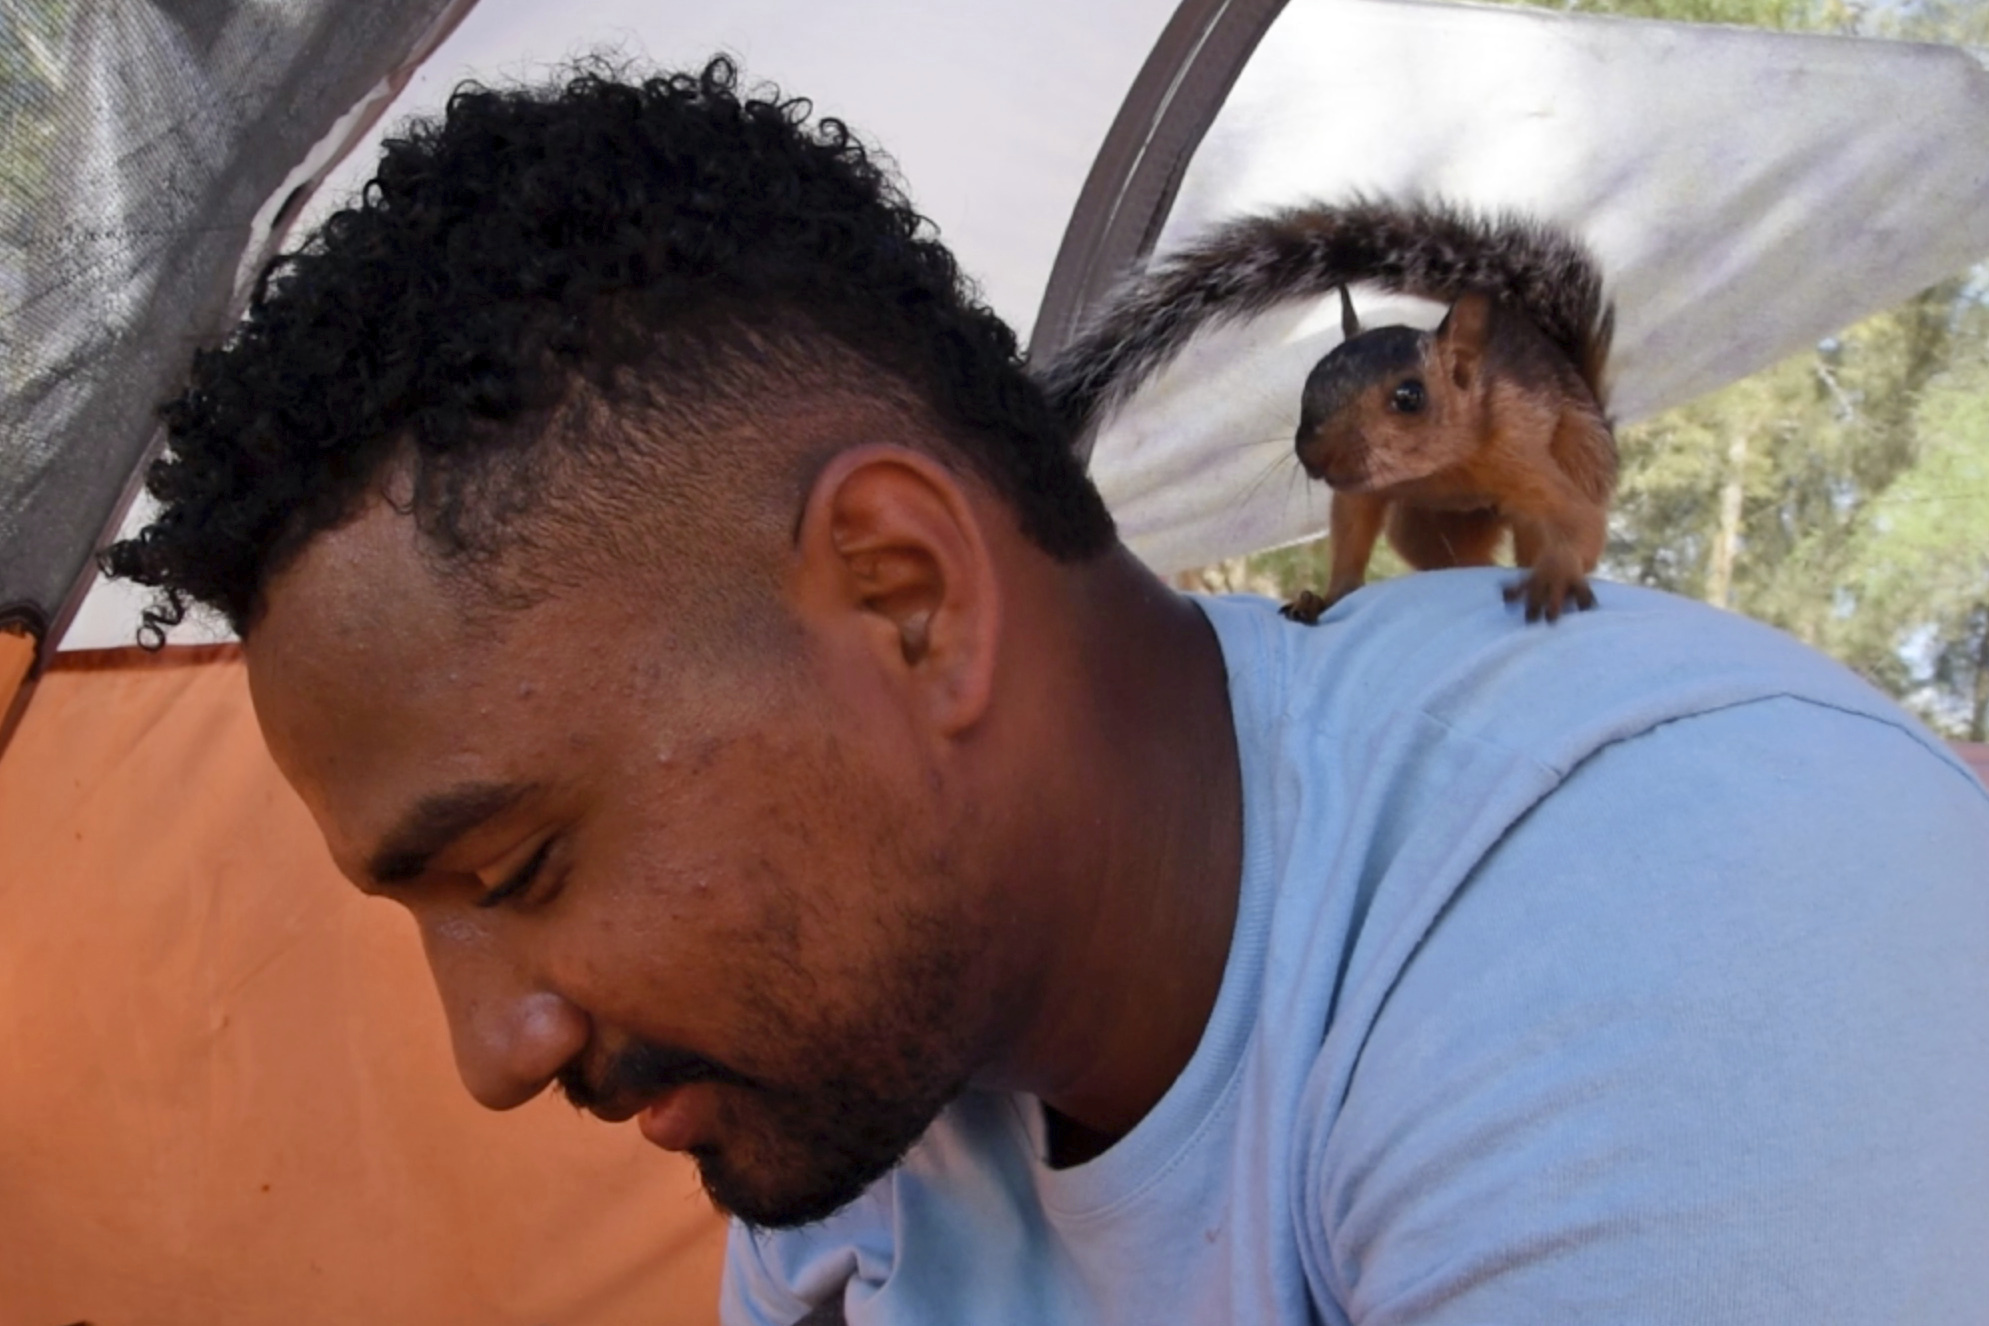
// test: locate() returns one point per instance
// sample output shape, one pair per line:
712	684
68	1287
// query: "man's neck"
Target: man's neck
1148	870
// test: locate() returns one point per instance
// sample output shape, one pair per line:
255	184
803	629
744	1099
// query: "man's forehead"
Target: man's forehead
364	579
359	655
385	686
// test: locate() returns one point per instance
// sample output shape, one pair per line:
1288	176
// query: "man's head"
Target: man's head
596	308
610	503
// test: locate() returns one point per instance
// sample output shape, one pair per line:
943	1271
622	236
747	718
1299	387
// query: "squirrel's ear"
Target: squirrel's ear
1350	326
1462	335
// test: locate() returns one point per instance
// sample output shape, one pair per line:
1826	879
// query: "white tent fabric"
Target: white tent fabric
1746	192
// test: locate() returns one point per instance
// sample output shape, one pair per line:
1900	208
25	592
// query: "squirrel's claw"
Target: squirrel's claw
1305	609
1308	607
1547	595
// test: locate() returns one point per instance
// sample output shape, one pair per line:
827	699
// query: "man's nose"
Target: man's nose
511	1035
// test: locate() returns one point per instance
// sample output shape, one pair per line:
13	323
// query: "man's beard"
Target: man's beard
794	1154
837	1090
792	1159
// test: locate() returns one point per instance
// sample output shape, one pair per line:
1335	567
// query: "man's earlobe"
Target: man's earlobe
891	554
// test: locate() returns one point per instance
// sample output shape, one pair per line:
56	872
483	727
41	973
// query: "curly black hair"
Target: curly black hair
542	246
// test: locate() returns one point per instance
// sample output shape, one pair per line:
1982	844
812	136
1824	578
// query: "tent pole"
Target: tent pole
17	666
1132	183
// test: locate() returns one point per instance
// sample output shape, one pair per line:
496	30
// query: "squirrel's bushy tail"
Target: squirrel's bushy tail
1429	249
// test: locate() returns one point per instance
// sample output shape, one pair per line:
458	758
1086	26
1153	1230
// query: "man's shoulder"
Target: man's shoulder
1654	882
1444	647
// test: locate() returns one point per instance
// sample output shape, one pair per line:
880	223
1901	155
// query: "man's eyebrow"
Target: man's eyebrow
434	823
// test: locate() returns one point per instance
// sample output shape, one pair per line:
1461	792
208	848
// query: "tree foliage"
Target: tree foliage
32	36
1913	610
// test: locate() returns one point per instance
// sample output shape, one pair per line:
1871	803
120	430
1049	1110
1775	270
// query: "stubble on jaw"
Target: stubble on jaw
846	1061
796	1156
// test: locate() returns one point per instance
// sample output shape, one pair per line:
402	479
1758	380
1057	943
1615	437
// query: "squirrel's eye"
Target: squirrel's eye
1408	397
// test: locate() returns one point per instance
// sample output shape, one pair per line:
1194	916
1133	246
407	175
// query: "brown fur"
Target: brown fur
1511	435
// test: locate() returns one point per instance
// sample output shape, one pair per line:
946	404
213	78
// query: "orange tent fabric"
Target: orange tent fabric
226	1094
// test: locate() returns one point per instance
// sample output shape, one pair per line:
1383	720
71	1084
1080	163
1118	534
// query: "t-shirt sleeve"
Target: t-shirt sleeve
1704	1039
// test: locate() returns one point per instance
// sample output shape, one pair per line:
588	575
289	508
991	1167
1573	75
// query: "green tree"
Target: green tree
31	39
32	36
1825	470
1913	607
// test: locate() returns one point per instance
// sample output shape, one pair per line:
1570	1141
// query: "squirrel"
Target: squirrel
1443	440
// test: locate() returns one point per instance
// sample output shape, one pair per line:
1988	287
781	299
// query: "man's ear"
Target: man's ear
891	556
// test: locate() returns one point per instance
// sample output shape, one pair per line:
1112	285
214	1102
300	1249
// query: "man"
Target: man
656	572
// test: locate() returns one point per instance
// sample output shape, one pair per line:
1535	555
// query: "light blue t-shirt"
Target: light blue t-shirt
1632	969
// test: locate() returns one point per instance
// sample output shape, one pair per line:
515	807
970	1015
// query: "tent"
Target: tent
224	1081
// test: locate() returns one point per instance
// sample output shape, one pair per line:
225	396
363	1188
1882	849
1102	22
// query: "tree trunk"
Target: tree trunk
1726	539
1978	722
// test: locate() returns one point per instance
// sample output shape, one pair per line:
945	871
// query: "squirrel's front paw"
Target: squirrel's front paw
1308	607
1305	609
1548	593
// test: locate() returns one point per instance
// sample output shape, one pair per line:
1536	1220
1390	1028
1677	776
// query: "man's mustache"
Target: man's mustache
638	1071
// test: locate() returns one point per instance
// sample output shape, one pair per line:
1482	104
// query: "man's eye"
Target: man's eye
520	879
